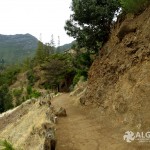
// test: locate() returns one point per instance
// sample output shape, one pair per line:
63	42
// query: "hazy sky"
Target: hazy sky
35	16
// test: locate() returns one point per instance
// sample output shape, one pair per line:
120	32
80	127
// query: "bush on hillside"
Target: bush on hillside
77	78
6	101
9	75
31	77
17	92
32	93
5	145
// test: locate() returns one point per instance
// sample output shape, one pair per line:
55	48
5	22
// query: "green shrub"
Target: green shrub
5	145
47	86
76	79
18	102
17	92
32	93
134	6
79	76
9	75
29	89
35	94
31	77
5	98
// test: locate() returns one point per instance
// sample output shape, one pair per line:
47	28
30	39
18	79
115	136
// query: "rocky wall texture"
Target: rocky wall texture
119	78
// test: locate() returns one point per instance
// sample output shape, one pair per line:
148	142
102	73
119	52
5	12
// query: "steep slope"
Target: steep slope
119	79
15	48
20	126
84	128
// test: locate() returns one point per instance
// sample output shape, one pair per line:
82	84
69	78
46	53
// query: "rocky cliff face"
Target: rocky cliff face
119	79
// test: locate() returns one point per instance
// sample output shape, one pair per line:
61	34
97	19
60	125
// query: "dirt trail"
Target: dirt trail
84	128
80	130
75	131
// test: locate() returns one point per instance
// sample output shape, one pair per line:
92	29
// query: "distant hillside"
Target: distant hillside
14	48
65	47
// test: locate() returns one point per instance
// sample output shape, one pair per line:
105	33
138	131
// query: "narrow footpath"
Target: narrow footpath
80	130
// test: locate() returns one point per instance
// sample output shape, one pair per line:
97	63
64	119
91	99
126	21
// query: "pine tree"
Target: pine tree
40	54
91	21
52	44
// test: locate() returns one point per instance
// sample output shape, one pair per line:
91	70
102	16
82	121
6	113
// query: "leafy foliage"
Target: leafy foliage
40	55
90	22
17	92
5	98
27	64
7	77
31	77
58	68
32	93
43	52
82	62
5	145
134	6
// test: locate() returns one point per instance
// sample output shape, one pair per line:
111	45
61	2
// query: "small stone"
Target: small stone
61	112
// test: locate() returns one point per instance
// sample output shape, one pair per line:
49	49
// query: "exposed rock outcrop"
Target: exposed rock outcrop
50	138
119	79
61	112
79	92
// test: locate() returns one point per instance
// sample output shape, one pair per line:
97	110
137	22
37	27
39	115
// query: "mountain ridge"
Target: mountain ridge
15	48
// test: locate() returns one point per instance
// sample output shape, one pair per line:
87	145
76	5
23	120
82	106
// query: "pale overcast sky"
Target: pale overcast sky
35	16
